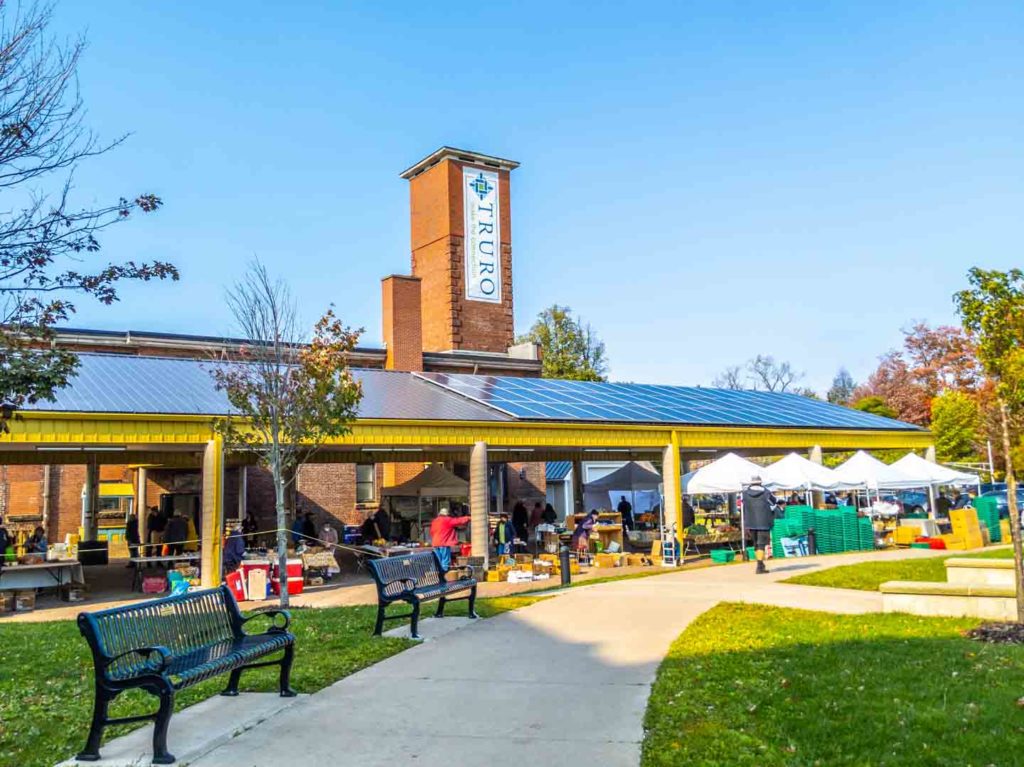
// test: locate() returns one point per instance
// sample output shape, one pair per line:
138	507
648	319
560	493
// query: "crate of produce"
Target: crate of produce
722	556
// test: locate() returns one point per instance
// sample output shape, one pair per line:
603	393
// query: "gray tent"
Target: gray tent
435	481
633	477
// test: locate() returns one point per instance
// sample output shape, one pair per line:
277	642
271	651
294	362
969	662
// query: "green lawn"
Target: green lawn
748	685
46	674
867	576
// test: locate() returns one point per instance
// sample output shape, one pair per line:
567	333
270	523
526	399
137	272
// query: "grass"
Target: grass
46	674
749	685
868	576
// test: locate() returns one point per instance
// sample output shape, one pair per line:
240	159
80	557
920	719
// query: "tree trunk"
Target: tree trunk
1011	501
282	532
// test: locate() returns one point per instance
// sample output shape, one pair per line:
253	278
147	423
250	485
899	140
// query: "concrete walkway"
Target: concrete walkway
567	678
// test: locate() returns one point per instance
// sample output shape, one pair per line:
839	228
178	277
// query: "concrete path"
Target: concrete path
567	678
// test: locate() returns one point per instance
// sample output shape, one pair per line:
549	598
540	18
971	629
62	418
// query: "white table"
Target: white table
41	576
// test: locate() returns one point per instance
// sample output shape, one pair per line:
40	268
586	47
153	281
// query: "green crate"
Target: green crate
722	556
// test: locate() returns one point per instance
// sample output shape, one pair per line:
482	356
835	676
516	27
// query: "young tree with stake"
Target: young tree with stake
993	310
288	397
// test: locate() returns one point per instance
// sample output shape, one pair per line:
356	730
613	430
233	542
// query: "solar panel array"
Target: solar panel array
557	400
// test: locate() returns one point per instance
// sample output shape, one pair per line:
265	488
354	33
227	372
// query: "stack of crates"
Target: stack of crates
988	517
835	530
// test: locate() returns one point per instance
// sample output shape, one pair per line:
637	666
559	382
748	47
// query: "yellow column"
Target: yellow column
213	511
671	478
478	527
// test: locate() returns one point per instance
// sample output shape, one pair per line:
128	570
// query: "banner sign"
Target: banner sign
483	235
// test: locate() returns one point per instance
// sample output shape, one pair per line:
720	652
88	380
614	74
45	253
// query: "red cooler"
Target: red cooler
295	579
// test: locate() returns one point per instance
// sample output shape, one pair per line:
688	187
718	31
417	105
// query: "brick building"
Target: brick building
452	314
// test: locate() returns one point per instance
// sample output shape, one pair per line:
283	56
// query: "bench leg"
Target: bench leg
440	608
91	752
380	620
415	625
472	603
232	689
163	720
286	672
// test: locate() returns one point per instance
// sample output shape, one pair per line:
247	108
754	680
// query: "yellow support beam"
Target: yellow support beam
213	511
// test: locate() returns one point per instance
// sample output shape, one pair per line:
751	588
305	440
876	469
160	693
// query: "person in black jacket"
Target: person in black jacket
760	509
520	520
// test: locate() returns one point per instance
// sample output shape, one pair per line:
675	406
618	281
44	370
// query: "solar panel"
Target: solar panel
557	400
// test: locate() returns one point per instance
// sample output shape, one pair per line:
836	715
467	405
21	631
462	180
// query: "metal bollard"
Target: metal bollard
563	561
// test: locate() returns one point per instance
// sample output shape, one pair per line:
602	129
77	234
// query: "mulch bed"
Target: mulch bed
998	633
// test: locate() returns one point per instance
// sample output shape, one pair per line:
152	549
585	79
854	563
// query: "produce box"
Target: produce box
6	601
722	556
606	560
24	601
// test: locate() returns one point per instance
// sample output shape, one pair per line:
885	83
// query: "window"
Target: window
365	482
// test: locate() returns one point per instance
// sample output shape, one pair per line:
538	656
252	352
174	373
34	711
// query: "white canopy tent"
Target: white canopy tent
930	474
863	470
728	474
795	472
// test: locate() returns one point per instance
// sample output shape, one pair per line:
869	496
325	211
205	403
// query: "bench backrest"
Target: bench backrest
422	567
179	623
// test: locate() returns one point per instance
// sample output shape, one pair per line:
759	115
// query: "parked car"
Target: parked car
911	501
1002	500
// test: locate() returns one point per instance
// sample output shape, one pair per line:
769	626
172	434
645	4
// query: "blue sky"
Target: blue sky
701	181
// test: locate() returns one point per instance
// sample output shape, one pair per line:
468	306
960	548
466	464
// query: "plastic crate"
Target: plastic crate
722	556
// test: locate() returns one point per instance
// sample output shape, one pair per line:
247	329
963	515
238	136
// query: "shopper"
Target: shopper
760	509
961	500
250	527
444	535
581	535
942	506
520	520
175	534
329	536
131	536
689	515
297	527
503	535
625	508
36	544
383	521
234	550
156	523
369	530
550	515
5	542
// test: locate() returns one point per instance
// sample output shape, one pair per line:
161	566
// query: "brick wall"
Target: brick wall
530	487
402	322
449	320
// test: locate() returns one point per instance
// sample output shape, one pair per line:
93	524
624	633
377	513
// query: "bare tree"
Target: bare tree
770	375
288	397
730	378
44	240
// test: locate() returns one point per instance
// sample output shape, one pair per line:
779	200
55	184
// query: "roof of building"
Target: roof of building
558	400
556	471
459	155
117	383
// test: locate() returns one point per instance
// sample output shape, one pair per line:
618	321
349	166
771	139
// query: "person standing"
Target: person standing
581	535
625	508
550	515
250	527
156	523
175	534
760	509
234	550
36	544
942	506
369	531
383	521
5	542
503	535
444	535
520	520
131	536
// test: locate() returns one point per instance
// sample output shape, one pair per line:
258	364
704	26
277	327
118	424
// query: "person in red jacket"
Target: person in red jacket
444	535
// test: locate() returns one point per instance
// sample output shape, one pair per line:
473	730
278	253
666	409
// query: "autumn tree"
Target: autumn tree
288	397
570	348
841	391
49	246
992	309
955	424
875	405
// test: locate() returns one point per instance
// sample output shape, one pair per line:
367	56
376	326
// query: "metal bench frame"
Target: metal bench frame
414	579
135	647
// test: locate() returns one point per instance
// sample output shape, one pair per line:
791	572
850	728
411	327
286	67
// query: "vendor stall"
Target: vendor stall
415	503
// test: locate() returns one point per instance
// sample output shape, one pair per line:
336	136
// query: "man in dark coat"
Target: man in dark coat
760	509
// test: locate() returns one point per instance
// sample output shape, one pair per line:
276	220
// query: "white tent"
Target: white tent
863	470
930	474
728	474
794	472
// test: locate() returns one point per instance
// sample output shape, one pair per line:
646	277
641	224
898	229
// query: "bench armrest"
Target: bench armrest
273	615
146	652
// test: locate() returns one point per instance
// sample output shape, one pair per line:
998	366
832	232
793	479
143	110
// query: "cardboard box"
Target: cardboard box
6	601
24	601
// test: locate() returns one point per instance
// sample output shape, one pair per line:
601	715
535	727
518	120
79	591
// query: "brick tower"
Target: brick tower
462	250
